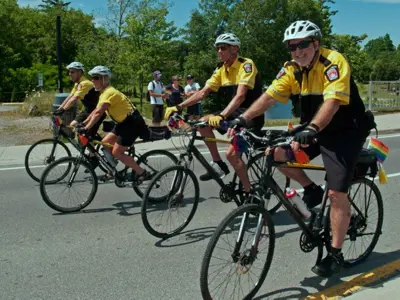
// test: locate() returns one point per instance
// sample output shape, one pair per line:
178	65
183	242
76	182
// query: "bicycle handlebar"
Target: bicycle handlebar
283	138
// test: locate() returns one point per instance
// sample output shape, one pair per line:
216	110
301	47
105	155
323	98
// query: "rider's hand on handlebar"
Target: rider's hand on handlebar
170	110
236	125
304	137
215	121
59	112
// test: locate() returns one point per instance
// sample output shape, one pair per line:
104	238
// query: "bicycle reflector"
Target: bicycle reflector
83	140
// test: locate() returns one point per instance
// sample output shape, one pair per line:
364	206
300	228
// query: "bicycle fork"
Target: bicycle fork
246	259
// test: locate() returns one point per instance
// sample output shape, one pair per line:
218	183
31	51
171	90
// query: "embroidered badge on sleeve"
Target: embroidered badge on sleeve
281	73
248	68
332	73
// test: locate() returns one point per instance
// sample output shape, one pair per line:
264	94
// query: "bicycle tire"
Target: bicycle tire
362	257
249	208
31	148
147	200
251	162
142	162
72	161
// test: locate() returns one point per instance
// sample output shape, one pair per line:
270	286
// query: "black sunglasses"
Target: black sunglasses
223	48
301	45
96	77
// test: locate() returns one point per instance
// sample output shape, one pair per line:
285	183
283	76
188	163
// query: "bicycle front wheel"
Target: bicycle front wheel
74	191
180	192
44	152
365	222
239	255
154	161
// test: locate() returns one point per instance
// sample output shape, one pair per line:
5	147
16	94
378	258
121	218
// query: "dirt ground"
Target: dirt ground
19	130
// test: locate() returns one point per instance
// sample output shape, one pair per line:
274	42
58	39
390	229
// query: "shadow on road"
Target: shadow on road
186	237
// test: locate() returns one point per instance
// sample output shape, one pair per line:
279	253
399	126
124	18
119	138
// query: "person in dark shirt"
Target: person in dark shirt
176	92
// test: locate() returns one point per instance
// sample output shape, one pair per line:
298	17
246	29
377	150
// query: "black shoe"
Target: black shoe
313	196
220	167
138	179
329	265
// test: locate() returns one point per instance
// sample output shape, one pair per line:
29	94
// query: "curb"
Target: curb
355	284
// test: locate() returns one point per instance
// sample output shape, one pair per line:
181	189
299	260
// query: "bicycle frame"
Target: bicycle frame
193	151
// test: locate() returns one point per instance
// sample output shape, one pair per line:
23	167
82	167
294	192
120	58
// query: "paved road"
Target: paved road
105	252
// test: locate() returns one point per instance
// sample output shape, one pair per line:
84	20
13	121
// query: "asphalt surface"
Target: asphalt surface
105	252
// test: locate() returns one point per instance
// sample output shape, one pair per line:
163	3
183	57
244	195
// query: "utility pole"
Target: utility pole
59	59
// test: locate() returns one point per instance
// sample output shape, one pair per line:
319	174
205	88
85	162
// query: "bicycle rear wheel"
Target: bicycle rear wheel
44	152
180	194
154	161
365	222
253	240
256	167
80	184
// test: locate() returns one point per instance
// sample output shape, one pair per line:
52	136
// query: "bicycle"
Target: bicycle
177	201
70	166
255	226
49	146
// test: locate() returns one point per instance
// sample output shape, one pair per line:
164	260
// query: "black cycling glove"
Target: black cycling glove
238	123
305	137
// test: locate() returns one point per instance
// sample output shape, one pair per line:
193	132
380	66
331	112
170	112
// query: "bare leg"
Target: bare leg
340	217
239	166
212	146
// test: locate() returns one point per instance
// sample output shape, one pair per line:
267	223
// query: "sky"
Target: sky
355	17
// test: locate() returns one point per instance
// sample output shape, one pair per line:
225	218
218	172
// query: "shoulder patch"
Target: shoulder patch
248	67
281	73
332	73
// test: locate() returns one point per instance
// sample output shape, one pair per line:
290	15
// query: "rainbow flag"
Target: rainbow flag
380	149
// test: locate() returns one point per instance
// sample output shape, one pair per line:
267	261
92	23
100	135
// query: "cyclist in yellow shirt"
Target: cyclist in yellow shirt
83	91
319	82
238	81
129	124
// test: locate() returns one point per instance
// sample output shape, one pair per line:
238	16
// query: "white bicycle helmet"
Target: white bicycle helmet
302	29
76	65
101	71
227	38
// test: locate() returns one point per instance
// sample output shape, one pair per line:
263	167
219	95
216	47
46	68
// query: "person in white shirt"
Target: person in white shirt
157	96
191	88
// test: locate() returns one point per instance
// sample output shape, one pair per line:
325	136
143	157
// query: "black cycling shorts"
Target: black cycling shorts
255	125
130	129
339	152
193	110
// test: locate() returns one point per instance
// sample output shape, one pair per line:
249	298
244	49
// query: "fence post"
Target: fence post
370	95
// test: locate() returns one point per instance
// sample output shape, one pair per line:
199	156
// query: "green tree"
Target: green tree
376	46
350	47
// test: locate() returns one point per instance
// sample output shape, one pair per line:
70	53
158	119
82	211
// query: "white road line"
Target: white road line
43	166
